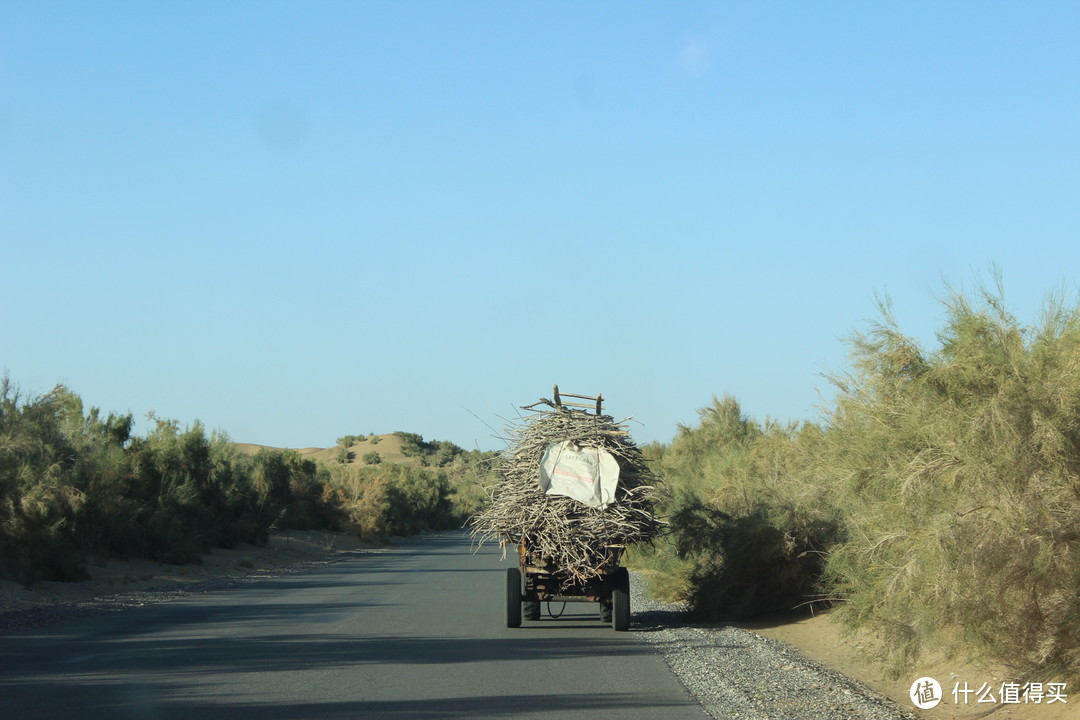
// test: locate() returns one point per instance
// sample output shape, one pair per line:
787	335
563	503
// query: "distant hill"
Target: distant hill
252	449
388	446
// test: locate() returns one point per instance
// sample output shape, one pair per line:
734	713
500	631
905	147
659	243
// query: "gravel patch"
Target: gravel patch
737	674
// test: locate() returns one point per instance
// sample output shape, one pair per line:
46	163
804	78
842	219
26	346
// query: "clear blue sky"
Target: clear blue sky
297	220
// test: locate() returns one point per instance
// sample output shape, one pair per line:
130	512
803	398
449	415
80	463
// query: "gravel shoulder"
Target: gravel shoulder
737	674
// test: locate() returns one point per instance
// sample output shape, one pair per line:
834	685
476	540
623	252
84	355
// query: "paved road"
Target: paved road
410	632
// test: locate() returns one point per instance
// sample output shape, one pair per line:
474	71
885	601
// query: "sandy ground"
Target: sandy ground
122	576
820	638
824	640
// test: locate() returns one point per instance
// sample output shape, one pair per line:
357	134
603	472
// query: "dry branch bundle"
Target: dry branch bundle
568	534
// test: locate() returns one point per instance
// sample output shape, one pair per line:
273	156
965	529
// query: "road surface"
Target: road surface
416	631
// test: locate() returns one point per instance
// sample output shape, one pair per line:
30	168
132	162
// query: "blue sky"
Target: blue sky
297	220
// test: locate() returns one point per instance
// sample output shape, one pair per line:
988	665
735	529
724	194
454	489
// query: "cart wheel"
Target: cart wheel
513	598
620	599
532	609
605	612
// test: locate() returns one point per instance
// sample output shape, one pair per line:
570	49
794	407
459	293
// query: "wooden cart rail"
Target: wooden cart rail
558	403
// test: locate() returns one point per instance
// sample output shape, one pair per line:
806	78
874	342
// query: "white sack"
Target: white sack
589	474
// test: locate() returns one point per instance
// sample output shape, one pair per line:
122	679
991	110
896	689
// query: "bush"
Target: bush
748	533
388	499
937	506
413	445
957	472
42	484
437	453
75	483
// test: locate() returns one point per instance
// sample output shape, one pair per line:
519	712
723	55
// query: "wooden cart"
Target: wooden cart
537	579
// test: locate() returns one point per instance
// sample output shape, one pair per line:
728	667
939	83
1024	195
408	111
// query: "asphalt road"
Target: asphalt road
416	631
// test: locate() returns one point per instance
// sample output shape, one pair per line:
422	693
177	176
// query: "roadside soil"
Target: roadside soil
820	638
823	639
116	577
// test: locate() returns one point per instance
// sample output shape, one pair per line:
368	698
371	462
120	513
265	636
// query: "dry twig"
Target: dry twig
569	534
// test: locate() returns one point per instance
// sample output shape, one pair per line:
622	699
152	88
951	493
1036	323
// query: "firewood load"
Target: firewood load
538	498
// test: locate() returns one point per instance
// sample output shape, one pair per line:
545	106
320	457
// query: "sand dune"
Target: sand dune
388	446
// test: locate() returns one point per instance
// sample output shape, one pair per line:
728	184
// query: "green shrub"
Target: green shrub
74	483
937	505
41	496
77	484
748	529
957	472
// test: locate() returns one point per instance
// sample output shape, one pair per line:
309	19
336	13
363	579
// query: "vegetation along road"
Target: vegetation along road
411	631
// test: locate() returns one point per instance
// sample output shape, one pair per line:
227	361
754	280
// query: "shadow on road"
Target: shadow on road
344	641
599	705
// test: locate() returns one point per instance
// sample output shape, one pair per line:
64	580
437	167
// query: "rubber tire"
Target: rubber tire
620	599
513	598
532	609
605	613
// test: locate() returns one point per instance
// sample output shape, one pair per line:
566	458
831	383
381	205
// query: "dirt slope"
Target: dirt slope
823	639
